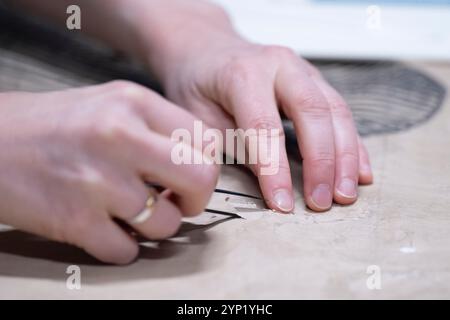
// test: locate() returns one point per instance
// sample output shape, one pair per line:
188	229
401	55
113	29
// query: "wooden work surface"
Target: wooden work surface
400	224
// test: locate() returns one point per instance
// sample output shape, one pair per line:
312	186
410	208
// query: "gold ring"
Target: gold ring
145	214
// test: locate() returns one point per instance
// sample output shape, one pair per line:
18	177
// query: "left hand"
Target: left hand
229	82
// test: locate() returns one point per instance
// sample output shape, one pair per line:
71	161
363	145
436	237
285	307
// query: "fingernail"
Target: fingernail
347	188
322	196
283	200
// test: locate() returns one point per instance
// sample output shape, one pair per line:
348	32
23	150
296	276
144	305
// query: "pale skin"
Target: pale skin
81	151
74	160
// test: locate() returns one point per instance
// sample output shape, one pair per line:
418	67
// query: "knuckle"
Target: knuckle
339	107
322	163
311	103
349	155
304	99
280	52
312	70
338	104
122	86
321	159
265	123
236	72
90	178
128	93
276	167
112	127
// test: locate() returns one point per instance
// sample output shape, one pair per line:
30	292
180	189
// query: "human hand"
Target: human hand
228	82
73	162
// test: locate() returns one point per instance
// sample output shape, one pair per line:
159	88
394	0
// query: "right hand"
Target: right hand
74	161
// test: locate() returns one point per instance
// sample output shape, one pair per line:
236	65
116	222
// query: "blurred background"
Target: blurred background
348	29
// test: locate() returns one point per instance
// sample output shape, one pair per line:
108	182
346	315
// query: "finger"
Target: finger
161	161
107	242
170	117
305	105
346	145
365	169
254	107
164	218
